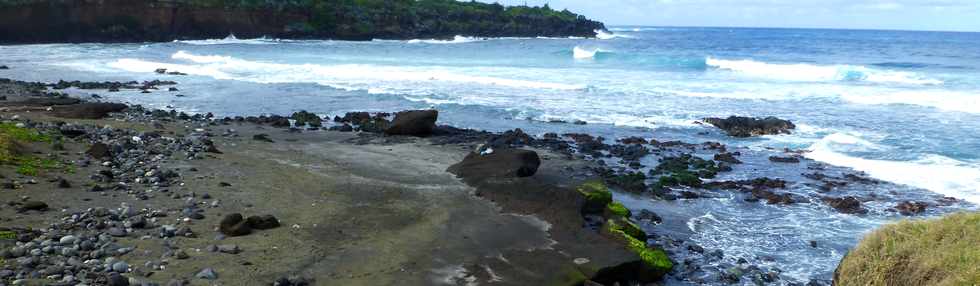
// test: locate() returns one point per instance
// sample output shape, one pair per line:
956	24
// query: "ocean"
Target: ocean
901	106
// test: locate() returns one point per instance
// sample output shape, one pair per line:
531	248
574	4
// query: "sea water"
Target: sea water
901	106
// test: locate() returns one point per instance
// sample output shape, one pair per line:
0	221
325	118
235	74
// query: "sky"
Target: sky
933	15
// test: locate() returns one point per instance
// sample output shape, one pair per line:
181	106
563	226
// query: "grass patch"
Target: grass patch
12	150
23	134
944	251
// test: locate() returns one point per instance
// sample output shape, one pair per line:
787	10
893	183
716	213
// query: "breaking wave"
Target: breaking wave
606	35
816	73
586	53
936	173
230	40
341	76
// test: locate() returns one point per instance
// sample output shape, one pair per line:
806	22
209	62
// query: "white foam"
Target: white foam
941	99
230	40
342	76
606	35
584	53
936	173
816	73
633	29
456	40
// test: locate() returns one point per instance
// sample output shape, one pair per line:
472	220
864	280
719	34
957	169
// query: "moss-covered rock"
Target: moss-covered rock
616	209
630	182
944	251
597	196
616	225
304	118
652	263
683	178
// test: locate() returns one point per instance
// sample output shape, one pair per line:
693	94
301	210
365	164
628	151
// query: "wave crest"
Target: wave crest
606	35
814	73
342	76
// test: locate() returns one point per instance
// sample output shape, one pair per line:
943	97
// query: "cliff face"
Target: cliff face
156	21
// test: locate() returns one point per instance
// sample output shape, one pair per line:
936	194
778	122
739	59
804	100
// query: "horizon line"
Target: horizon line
792	28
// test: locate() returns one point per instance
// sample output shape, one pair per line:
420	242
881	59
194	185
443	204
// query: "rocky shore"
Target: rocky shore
103	193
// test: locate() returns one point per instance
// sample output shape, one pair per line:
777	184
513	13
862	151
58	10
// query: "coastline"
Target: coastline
372	197
354	208
116	21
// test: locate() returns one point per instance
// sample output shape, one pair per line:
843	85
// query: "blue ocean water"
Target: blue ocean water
902	106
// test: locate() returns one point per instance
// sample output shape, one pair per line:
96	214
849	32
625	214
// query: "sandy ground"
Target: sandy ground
355	210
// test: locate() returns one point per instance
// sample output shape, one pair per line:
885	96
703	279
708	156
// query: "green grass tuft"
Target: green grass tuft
944	251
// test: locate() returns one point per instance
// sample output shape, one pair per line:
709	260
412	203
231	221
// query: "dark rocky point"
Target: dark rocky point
737	126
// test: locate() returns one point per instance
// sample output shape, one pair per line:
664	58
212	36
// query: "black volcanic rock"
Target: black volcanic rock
500	163
737	126
413	122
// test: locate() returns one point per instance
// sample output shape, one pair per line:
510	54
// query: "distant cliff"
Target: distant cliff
47	21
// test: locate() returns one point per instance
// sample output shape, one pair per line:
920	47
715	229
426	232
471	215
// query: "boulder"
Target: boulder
499	163
34	206
737	126
262	222
234	225
413	123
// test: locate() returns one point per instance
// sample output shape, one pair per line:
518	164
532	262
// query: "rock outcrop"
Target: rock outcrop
501	163
737	126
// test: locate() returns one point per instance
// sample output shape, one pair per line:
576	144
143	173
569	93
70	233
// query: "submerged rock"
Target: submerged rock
498	163
847	205
909	208
413	122
737	126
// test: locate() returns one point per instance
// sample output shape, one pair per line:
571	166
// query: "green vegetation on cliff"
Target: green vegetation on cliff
943	251
341	19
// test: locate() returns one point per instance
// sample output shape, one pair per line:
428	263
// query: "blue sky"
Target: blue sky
944	15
